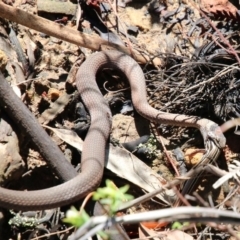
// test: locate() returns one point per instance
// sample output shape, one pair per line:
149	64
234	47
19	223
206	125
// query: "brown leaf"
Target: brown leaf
154	225
219	7
144	232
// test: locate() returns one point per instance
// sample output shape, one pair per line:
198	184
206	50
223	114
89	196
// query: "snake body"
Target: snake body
94	146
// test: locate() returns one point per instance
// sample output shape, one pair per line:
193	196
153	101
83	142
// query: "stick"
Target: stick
62	32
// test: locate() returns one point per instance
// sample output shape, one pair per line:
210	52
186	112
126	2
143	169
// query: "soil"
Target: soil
184	47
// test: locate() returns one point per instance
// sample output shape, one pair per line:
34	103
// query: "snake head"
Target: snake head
212	132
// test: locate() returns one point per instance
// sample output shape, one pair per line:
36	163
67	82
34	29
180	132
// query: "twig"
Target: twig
62	32
166	153
86	199
193	172
192	214
231	49
118	20
221	73
230	124
52	234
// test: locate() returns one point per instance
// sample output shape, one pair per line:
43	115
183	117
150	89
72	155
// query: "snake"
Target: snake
78	185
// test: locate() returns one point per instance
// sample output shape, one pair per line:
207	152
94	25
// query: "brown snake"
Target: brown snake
93	155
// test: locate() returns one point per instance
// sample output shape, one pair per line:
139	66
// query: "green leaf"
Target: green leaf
75	218
177	225
111	196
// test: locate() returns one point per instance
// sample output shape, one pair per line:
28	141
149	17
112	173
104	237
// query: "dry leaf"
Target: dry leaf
144	232
124	164
219	6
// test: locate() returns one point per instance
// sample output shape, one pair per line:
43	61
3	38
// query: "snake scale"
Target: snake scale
93	156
